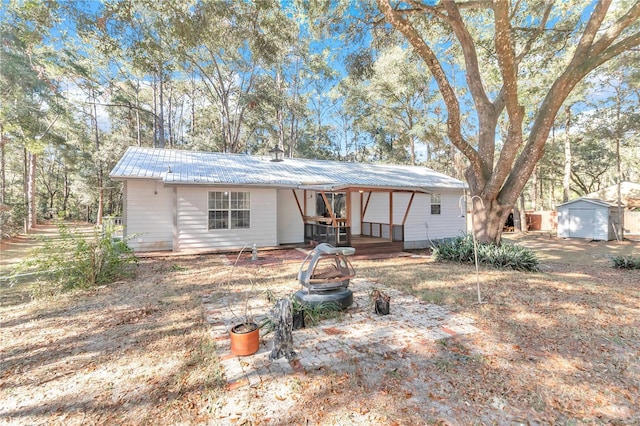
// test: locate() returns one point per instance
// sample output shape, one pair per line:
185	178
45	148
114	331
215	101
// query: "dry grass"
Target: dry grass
561	346
557	346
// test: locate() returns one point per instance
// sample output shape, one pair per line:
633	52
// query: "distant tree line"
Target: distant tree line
346	81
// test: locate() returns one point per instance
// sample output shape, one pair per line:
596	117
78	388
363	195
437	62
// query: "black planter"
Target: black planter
298	320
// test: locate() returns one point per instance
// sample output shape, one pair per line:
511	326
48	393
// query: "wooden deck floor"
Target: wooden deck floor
373	245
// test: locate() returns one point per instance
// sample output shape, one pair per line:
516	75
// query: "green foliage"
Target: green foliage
313	314
11	221
626	262
509	256
76	261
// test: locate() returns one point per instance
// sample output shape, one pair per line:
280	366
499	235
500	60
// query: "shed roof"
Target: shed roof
600	203
196	167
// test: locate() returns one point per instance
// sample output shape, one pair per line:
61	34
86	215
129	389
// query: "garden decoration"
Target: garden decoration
324	275
282	319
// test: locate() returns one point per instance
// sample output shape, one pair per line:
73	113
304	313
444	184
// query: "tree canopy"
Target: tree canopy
472	89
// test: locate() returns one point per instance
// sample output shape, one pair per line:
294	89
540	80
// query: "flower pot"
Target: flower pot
245	339
381	302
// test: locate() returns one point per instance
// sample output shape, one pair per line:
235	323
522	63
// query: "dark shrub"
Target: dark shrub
626	262
510	256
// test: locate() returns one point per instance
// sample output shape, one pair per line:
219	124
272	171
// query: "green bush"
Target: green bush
77	261
626	262
511	256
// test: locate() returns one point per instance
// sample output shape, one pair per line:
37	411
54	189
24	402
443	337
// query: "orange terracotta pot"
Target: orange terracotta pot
245	342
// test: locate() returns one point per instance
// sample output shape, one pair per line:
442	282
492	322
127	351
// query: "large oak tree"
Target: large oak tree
505	46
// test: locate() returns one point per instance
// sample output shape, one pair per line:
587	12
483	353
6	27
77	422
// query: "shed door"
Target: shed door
581	223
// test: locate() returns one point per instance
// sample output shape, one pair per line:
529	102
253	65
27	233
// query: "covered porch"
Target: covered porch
346	217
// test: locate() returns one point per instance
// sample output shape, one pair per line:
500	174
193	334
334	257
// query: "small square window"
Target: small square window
435	204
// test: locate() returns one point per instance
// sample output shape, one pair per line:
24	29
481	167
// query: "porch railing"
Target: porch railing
381	230
338	236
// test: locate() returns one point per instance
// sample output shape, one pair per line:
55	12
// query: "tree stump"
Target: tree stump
282	317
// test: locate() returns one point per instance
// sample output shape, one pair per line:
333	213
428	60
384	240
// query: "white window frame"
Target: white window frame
233	210
436	204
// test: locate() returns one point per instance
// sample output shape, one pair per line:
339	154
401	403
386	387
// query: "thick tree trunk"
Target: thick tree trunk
488	219
31	192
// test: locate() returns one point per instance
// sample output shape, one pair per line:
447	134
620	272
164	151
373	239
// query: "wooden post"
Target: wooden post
390	215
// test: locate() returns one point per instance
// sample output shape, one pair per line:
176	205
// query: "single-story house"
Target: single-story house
189	201
588	218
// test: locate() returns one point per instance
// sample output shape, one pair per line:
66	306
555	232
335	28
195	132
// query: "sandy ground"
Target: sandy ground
559	346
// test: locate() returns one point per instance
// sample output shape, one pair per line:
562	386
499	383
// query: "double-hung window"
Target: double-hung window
435	204
229	210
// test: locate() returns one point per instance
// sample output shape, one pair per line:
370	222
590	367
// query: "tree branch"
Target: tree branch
505	49
616	29
536	33
451	101
591	30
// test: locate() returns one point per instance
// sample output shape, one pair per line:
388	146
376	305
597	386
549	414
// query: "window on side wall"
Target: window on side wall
435	204
229	210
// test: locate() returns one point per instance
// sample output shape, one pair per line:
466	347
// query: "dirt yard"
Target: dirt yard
561	346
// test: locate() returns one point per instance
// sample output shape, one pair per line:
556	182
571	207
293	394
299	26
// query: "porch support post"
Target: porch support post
305	203
298	203
390	215
406	214
349	208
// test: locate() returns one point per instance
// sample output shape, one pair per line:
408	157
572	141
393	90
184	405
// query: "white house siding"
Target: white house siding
192	221
149	218
377	207
422	227
355	213
290	225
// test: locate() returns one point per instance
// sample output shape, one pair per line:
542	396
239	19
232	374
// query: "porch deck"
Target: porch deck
375	245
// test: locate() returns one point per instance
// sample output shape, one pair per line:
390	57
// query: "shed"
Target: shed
588	218
191	201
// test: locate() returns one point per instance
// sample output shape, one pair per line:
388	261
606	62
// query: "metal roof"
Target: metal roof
195	167
595	201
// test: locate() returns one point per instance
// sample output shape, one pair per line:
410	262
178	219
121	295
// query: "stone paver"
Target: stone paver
359	335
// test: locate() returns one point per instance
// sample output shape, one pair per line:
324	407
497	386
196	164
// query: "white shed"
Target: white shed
587	218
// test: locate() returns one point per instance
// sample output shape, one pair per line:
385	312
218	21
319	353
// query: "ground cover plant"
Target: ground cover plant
626	262
556	347
510	256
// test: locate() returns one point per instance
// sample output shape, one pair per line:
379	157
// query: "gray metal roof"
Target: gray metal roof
213	168
597	202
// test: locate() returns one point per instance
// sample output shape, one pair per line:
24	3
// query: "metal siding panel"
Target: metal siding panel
422	225
290	225
355	213
193	221
149	216
581	222
378	208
